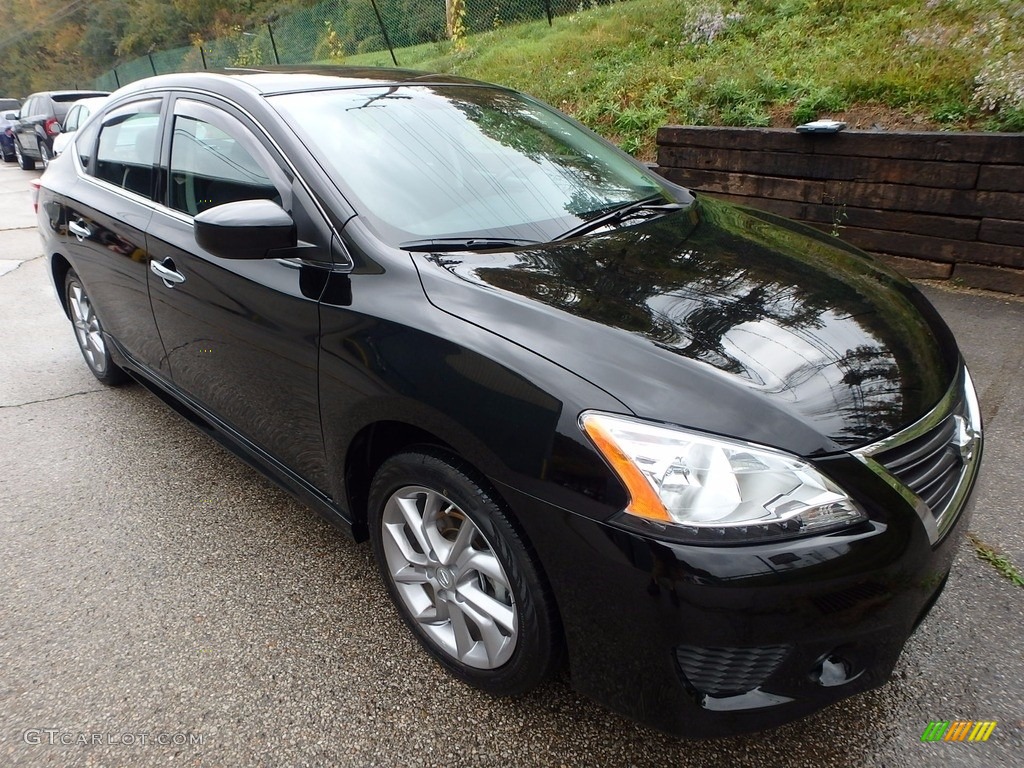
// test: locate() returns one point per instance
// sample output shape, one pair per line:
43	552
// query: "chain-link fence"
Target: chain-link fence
336	29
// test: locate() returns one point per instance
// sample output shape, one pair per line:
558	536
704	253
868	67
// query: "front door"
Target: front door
242	335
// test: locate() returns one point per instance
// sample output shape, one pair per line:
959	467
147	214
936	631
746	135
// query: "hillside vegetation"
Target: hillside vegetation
624	68
627	68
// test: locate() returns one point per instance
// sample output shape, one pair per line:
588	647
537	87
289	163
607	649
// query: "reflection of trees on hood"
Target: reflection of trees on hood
691	293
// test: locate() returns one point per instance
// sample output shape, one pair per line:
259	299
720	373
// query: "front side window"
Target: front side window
129	145
210	167
449	161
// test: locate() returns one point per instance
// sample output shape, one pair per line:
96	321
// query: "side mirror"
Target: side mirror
246	229
10	115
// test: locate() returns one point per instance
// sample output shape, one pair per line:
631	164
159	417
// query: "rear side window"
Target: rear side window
210	167
129	145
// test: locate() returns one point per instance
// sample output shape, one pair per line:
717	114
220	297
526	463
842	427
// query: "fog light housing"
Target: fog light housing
835	670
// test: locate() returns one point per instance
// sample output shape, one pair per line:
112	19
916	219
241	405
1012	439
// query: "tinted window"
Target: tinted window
62	102
70	98
210	167
128	147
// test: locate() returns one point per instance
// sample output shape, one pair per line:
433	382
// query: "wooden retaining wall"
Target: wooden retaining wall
934	205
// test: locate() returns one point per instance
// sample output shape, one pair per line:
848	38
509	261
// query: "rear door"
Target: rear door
242	335
107	213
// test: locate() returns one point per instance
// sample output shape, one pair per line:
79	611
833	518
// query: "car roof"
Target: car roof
269	81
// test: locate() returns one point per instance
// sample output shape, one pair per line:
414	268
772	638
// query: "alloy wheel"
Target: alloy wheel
87	328
448	577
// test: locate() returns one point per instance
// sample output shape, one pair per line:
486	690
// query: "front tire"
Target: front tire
25	163
461	575
89	332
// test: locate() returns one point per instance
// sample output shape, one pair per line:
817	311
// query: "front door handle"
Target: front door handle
79	230
166	272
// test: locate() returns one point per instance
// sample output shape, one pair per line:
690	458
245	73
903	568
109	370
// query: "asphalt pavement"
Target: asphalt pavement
164	604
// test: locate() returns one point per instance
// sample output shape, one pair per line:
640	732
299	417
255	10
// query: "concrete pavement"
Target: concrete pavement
156	589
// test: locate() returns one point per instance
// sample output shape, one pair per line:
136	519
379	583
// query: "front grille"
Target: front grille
929	465
728	671
933	463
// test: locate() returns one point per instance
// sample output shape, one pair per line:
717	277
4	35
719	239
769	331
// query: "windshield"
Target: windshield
424	162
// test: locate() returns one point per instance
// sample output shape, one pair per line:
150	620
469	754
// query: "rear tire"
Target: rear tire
89	333
44	153
461	575
25	163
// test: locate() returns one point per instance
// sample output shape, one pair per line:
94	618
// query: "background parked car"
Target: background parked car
6	133
75	119
39	121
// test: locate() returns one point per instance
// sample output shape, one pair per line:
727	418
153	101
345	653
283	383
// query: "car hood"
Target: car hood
718	318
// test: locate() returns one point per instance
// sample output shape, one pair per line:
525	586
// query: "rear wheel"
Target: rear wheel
461	576
26	163
45	154
89	332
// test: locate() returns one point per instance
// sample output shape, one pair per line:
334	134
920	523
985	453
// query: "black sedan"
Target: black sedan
39	121
715	462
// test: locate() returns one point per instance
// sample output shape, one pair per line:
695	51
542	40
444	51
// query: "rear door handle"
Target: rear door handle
79	230
166	272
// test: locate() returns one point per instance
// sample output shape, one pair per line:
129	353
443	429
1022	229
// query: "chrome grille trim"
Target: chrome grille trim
932	479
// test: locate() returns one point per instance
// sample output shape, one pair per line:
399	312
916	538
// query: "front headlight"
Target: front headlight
716	490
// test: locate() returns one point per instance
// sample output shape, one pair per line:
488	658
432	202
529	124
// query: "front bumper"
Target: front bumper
713	641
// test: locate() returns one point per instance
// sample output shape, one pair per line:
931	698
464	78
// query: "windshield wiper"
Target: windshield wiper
442	244
620	213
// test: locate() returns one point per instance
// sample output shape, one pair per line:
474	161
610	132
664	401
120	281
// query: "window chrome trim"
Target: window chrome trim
971	428
135	197
166	90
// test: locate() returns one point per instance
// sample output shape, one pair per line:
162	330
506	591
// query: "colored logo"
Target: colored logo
958	730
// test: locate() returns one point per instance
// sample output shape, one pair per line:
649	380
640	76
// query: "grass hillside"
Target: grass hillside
625	69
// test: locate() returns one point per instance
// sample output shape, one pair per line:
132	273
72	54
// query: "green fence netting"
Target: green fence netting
336	29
